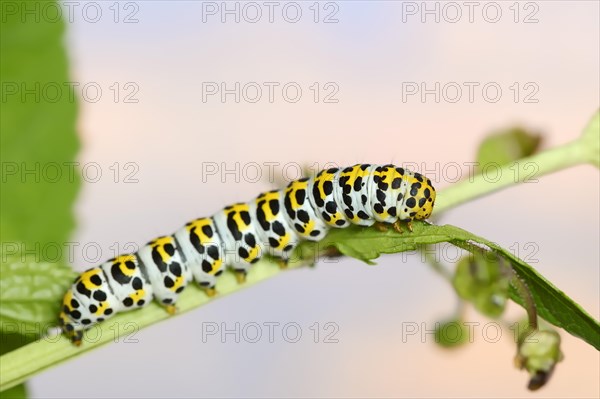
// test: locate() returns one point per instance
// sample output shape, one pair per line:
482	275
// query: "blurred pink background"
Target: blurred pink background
369	55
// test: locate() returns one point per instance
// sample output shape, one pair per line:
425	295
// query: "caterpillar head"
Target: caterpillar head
425	200
420	197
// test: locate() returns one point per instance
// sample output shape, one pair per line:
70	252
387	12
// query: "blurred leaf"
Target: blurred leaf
16	392
552	304
482	280
30	294
38	145
451	334
508	146
37	126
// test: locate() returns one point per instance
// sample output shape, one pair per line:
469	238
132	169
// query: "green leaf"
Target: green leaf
367	244
482	280
507	146
451	334
30	294
8	342
37	125
552	304
16	392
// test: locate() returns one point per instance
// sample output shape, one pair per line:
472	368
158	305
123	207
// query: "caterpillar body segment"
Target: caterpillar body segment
354	194
201	246
164	268
322	197
237	236
238	232
273	226
301	215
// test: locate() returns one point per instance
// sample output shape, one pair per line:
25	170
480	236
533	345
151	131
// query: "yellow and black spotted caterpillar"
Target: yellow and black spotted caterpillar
238	235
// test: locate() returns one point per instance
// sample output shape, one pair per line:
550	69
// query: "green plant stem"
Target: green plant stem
26	361
524	170
585	149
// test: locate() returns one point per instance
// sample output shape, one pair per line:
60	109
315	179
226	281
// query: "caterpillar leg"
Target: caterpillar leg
283	263
398	226
332	252
171	309
240	275
75	336
208	284
380	226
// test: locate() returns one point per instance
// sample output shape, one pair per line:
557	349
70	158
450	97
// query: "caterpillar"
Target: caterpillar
238	235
